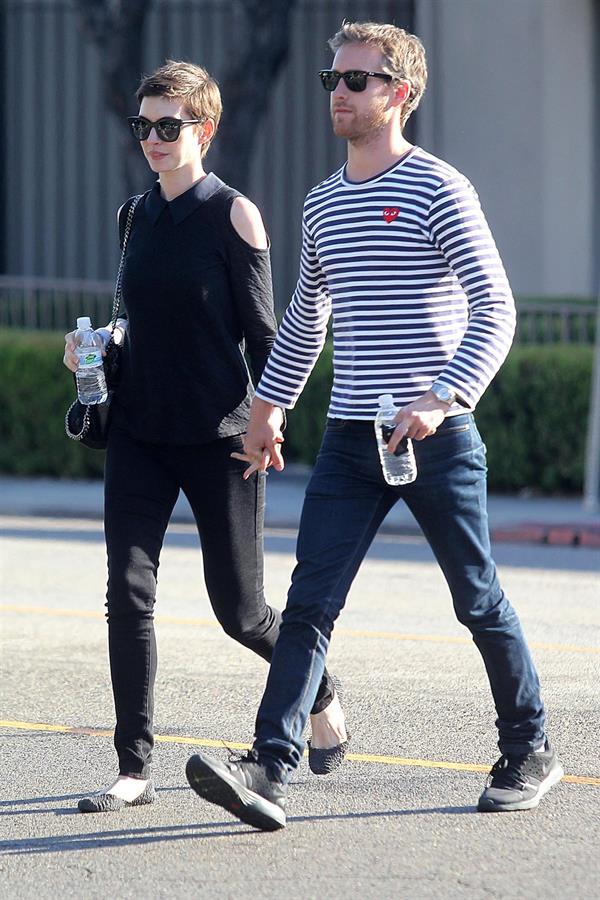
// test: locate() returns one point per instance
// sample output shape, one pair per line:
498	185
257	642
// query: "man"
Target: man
396	247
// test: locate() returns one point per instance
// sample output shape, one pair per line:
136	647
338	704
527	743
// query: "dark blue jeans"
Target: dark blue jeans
346	502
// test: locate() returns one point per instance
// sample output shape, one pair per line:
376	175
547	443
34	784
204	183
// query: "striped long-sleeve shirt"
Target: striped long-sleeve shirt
406	264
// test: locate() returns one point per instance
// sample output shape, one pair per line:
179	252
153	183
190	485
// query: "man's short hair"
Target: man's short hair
192	85
403	55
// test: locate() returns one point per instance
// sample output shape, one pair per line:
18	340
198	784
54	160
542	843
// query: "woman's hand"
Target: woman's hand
70	359
263	438
255	464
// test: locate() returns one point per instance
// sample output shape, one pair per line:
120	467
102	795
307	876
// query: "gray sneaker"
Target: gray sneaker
520	782
243	787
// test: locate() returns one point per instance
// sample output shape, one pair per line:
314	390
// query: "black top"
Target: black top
196	295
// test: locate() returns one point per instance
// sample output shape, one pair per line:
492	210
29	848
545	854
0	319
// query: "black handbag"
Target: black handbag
89	424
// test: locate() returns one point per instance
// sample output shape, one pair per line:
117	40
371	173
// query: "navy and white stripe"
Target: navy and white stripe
407	266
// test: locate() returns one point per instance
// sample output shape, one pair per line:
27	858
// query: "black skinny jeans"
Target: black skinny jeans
142	483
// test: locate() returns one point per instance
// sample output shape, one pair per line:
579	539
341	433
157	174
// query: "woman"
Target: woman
196	288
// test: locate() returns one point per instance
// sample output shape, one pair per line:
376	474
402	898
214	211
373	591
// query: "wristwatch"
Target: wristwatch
443	393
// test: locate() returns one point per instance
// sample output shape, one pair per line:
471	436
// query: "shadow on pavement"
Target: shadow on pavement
123	837
140	836
55	799
391	813
387	547
60	810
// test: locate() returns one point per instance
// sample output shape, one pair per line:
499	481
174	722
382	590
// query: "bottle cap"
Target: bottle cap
84	322
386	400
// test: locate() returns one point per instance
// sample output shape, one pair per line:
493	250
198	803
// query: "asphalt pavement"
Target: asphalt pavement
397	820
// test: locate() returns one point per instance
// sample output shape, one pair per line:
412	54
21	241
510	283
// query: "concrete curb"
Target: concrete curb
555	521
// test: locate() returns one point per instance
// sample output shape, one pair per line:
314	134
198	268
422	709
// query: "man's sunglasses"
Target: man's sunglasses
355	79
166	129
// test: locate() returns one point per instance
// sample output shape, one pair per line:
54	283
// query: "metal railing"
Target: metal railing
54	304
560	322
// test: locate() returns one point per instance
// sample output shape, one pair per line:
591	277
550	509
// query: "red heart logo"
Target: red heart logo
390	213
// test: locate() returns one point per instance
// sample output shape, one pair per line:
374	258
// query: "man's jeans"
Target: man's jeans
346	502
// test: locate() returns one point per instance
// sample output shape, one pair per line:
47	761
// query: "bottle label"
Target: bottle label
386	433
91	356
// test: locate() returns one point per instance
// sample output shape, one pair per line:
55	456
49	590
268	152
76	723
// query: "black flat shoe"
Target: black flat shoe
324	761
104	802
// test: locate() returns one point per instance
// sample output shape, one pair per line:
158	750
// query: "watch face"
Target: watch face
444	394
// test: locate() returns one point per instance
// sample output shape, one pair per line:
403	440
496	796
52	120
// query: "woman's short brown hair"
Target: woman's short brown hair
403	55
191	84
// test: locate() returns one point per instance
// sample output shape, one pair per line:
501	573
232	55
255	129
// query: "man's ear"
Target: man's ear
401	93
207	131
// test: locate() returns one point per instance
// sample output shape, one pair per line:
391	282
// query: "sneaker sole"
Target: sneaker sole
553	778
211	781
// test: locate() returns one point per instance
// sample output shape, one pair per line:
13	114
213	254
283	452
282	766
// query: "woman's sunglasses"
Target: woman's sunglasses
166	129
355	79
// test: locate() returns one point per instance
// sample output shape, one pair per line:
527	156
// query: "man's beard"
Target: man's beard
361	129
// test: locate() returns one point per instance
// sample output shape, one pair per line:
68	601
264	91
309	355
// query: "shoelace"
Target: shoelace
236	757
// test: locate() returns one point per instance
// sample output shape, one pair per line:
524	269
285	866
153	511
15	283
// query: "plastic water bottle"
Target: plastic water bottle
399	467
91	383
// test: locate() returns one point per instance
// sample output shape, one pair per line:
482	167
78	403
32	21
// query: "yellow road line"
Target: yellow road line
234	745
348	632
103	732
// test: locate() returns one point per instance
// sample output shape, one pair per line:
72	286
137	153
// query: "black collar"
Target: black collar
186	203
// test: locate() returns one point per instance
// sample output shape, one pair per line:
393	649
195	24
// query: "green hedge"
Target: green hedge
35	392
533	417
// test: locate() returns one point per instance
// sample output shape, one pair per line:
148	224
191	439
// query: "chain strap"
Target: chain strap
117	294
85	425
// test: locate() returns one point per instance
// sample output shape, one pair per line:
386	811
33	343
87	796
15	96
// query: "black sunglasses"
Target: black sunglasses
166	129
355	79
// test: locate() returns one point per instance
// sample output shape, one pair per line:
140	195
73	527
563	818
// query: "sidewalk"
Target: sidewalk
552	520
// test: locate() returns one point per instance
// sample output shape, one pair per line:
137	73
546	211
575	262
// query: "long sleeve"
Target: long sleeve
252	290
302	332
459	229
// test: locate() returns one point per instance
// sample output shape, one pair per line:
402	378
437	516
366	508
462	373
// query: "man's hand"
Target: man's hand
419	419
263	439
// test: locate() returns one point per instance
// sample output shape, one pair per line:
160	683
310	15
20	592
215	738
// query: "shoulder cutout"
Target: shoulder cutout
247	221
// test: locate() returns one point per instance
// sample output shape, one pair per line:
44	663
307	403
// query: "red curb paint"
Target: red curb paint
520	534
562	536
557	535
